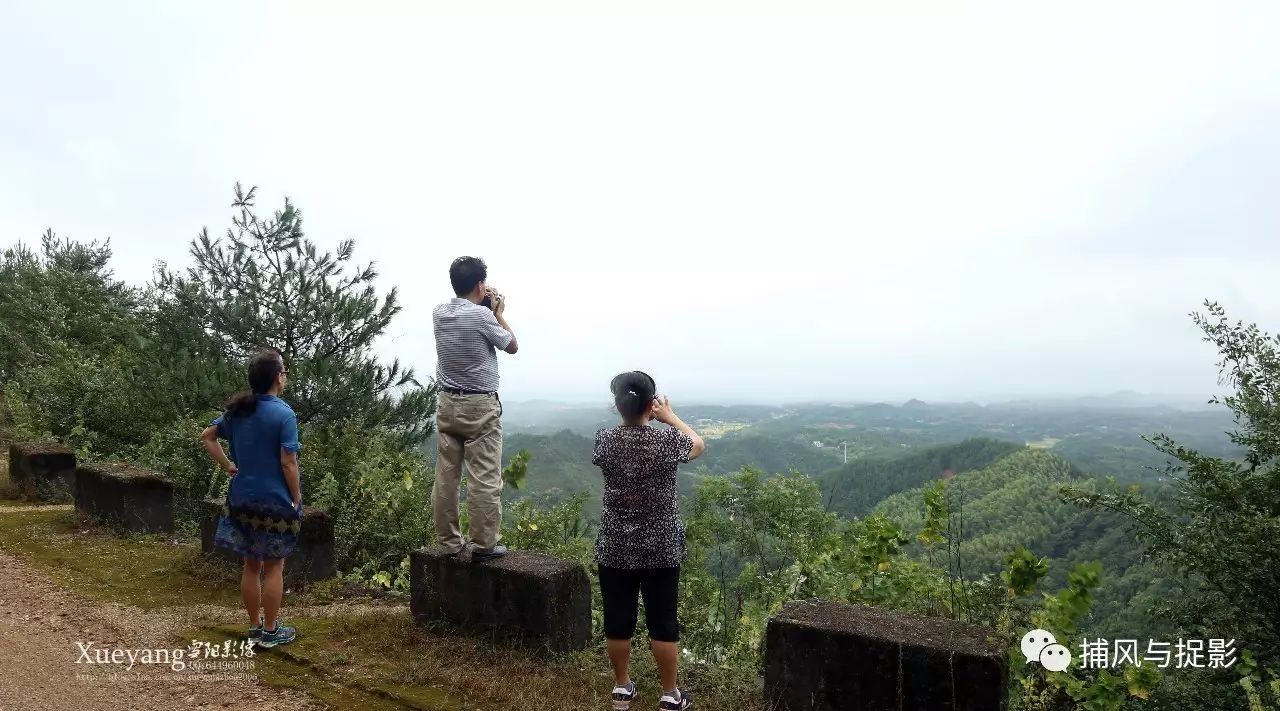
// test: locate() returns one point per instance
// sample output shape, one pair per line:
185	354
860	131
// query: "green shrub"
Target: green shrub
377	491
176	451
537	524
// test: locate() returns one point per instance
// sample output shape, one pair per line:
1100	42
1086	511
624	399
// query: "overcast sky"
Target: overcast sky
752	201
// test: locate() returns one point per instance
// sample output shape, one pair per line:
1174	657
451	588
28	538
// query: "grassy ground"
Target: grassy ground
381	655
142	571
361	655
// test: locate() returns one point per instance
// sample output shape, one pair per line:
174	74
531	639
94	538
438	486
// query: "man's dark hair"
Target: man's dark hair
465	273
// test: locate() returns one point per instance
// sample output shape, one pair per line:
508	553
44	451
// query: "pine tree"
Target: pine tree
266	285
62	297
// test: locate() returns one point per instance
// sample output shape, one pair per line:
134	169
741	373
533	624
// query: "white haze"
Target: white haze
752	201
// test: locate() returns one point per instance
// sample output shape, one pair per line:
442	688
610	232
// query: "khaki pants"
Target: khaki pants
468	429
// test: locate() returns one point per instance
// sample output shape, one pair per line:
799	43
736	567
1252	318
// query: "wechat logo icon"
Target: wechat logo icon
1041	646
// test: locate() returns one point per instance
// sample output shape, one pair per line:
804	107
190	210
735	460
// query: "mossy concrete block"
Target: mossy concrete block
138	499
314	558
527	599
832	656
42	471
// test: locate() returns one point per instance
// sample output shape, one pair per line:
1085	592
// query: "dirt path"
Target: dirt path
40	625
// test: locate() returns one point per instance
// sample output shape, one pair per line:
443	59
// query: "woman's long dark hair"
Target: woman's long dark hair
633	393
263	369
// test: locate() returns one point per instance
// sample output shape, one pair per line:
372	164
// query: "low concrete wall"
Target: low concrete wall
312	559
825	656
138	499
42	471
532	600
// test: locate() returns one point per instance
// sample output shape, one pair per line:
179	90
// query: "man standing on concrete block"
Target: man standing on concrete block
469	330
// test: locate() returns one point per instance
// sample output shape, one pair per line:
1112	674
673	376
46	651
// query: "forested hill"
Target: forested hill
1012	502
559	464
855	488
1015	501
1006	495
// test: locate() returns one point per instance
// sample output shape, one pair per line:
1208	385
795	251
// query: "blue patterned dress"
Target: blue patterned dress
259	520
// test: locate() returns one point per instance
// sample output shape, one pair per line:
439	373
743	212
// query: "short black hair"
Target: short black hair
465	273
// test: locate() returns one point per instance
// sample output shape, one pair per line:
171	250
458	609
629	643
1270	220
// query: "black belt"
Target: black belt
460	391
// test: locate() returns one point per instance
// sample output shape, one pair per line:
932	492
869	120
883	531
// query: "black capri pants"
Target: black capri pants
621	589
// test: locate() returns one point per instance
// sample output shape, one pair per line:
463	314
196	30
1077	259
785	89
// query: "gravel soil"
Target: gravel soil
41	624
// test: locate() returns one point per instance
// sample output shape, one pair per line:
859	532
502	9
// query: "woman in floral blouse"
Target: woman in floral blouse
641	541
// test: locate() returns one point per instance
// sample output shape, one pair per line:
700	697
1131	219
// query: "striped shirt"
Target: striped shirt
467	335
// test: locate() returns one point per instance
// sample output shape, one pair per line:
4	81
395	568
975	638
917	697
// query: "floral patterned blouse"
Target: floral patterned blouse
640	526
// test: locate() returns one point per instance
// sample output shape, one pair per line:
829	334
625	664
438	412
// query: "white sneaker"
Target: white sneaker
623	696
679	702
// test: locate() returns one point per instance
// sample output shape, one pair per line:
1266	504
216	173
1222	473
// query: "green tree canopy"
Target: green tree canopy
264	284
69	346
62	298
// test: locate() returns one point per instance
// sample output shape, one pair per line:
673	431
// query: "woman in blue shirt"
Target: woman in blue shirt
263	514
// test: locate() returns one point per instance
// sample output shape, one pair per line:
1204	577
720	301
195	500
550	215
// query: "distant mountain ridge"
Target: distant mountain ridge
561	462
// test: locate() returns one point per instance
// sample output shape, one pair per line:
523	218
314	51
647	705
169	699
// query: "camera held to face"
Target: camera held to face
491	299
